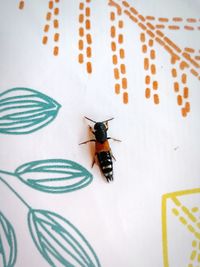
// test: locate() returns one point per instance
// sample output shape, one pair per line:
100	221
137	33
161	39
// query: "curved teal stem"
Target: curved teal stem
10	187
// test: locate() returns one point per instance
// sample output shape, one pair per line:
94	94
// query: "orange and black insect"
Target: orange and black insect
102	147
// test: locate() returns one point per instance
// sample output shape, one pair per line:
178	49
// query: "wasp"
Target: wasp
102	147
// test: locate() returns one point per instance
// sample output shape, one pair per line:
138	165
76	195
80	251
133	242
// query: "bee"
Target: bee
102	147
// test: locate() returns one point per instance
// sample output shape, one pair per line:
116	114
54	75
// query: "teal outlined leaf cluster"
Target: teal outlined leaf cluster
54	175
8	243
24	110
59	241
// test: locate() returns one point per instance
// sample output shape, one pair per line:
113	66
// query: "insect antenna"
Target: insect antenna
108	120
90	119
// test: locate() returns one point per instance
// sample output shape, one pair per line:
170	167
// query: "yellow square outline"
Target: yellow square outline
164	219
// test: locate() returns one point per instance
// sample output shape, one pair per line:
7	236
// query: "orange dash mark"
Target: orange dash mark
114	59
21	5
146	63
184	112
120	38
89	52
87	11
81	6
80	58
179	100
160	33
189	28
56	37
50	4
126	4
177	19
81	18
184	78
122	53
112	16
185	92
125	98
194	72
116	73
117	88
81	31
133	10
123	68
87	24
163	19
150	17
197	57
142	37
174	73
191	20
147	79
153	69
89	67
147	93
160	26
176	87
48	16
155	85
156	99
189	50
187	106
151	42
89	38
56	11
144	48
152	54
173	27
46	28
56	50
124	83
150	26
55	23
113	46
121	24
80	44
44	40
112	31
141	17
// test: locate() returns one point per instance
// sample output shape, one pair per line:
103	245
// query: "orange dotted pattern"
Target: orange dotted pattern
175	23
85	36
151	90
118	53
52	26
181	58
181	90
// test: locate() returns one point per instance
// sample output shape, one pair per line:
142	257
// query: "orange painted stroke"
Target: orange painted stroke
55	50
117	88
148	93
169	50
89	67
21	4
87	24
156	99
125	98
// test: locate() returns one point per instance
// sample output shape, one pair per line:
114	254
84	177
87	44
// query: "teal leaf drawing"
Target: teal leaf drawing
24	110
59	241
8	243
54	175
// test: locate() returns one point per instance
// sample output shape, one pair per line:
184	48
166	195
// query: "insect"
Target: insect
102	147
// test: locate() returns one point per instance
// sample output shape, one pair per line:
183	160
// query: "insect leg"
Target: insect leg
114	139
112	155
92	140
94	160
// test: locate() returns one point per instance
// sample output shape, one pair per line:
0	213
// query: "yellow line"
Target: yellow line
164	232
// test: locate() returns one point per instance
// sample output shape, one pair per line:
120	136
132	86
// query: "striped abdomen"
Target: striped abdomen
106	165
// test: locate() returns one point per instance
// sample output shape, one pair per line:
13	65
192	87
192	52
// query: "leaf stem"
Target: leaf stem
11	188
